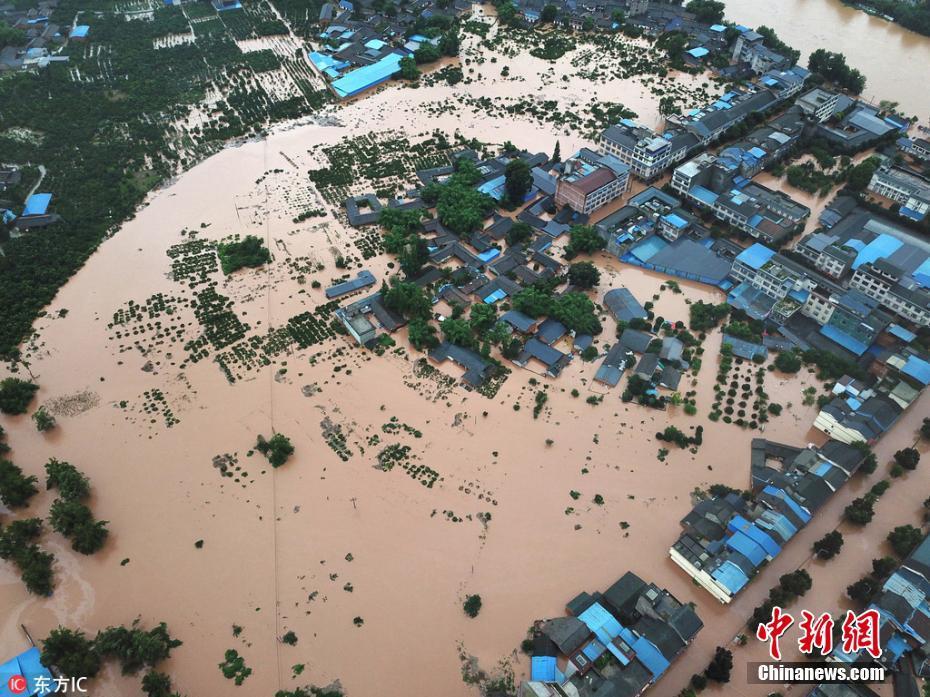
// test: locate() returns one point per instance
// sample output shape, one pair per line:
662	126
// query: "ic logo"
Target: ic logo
17	684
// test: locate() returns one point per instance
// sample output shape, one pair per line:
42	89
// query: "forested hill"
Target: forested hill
126	113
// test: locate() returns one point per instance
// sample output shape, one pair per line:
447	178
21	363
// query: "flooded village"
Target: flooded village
537	349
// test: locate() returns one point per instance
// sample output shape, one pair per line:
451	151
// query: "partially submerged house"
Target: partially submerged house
728	537
615	643
477	369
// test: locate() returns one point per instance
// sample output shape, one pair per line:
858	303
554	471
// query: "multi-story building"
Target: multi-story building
916	147
646	152
818	104
896	291
750	48
590	180
820	249
876	257
908	188
716	183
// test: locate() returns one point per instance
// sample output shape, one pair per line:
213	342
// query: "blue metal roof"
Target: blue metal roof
731	577
698	52
742	543
705	196
37	204
791	503
27	665
837	336
755	534
80	31
675	220
594	649
543	668
651	657
367	76
902	333
604	625
881	247
756	256
498	294
491	253
918	369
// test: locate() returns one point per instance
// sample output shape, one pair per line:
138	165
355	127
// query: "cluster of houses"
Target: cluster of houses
730	535
361	47
611	644
482	267
903	604
41	37
727	538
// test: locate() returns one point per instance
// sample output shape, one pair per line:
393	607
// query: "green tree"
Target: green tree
43	420
72	485
829	545
583	239
248	252
413	256
422	334
408	68
860	511
407	299
15	395
277	449
136	648
549	13
577	313
75	521
519	232
449	43
861	174
862	590
518	180
720	666
15	488
71	653
458	331
472	605
427	53
788	362
706	11
908	458
533	301
832	66
584	274
155	684
904	539
482	318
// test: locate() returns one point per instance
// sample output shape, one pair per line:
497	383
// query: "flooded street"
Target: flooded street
369	568
894	60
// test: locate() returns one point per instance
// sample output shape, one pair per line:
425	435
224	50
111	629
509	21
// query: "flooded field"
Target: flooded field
367	564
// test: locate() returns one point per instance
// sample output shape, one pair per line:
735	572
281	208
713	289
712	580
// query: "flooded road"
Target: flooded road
895	61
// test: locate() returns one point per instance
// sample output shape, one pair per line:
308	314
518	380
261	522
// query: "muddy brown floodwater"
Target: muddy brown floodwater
368	567
890	56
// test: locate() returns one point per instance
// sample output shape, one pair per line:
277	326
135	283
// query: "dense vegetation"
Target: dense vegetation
277	449
15	394
109	136
247	252
832	66
69	515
